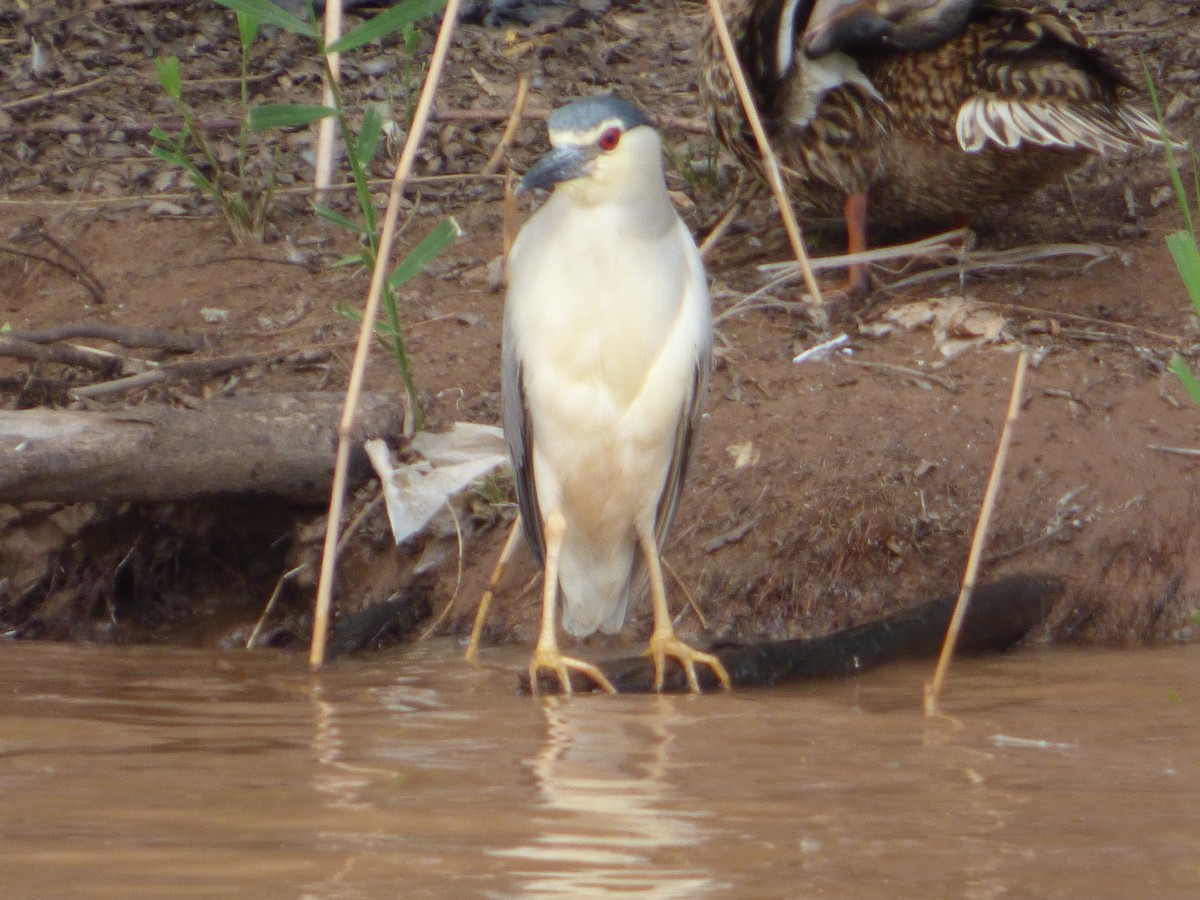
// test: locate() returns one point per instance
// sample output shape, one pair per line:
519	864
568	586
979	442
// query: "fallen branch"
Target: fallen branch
168	123
17	348
256	444
118	334
180	371
56	94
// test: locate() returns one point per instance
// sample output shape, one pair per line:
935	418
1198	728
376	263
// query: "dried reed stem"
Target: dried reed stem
933	690
327	129
362	351
510	228
770	161
510	130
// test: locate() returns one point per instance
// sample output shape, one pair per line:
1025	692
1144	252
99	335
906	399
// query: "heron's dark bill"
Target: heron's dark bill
560	164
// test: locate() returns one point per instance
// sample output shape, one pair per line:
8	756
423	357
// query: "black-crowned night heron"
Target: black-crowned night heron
606	356
926	110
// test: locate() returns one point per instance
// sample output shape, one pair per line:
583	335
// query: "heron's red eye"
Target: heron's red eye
610	139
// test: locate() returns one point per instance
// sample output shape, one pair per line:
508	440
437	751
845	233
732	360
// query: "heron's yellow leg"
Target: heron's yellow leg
485	602
663	642
546	654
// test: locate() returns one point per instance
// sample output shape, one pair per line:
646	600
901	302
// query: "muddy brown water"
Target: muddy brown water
161	772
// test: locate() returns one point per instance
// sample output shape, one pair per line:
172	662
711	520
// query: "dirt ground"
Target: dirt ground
822	493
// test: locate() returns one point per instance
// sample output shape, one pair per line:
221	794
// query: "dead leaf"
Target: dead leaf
743	454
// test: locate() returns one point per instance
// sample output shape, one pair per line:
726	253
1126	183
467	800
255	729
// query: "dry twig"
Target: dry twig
933	690
93	286
510	130
1176	451
770	161
197	369
948	383
283	579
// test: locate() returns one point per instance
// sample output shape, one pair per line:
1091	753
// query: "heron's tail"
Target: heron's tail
595	590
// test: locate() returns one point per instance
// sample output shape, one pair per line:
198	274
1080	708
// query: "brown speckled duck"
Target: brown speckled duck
918	110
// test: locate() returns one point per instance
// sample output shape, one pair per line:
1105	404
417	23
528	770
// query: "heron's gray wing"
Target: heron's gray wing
518	431
689	418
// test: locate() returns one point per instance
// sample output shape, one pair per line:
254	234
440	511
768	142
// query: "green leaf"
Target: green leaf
268	13
385	23
338	219
425	252
165	142
383	330
247	29
286	115
356	259
165	154
1191	384
1187	260
168	76
368	136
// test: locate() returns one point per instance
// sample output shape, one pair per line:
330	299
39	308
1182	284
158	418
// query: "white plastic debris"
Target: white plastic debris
452	460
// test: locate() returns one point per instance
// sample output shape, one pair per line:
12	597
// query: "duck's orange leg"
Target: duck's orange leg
858	275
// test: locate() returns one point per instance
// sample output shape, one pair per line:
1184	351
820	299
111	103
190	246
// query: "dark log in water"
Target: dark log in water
1001	613
381	623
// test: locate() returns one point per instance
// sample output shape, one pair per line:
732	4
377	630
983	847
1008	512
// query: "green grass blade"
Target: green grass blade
339	220
383	331
1169	151
425	252
1178	365
247	29
368	136
394	19
169	78
167	155
1187	260
286	115
268	13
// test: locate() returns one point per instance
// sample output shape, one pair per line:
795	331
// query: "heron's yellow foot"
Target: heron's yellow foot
550	658
664	645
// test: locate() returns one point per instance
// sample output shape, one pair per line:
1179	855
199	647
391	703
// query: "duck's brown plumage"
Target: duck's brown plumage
1009	97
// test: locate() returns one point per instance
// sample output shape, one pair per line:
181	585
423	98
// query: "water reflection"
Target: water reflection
609	821
339	781
131	771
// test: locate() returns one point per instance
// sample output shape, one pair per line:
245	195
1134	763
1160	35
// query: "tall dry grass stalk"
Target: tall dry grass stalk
327	129
933	690
370	311
770	160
